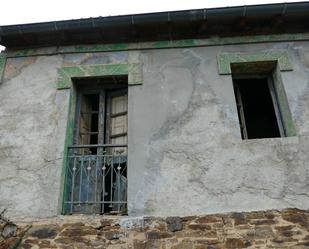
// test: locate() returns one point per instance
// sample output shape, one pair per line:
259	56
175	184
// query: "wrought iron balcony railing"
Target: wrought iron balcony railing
96	180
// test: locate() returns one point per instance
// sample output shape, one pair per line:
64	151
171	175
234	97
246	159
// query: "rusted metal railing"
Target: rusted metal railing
97	179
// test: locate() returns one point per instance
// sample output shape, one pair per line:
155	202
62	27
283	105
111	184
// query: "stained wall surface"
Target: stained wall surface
186	155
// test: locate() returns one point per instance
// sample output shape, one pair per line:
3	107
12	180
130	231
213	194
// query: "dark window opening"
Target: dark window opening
258	110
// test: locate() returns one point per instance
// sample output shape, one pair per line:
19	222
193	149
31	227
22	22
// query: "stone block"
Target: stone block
208	219
187	244
9	230
234	243
113	235
239	218
262	222
296	216
44	232
158	235
82	231
174	224
199	227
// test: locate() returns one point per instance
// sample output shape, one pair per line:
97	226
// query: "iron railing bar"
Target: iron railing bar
103	184
80	181
118	182
96	179
73	183
112	176
91	156
96	146
92	202
88	179
107	169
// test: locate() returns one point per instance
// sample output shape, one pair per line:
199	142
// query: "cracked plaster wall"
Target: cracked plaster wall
193	159
186	155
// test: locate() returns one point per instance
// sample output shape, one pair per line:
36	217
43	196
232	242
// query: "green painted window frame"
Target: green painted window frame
64	81
282	62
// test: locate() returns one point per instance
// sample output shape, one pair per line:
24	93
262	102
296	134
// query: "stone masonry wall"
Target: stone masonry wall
288	228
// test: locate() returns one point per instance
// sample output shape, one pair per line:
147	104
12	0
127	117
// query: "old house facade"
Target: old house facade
172	114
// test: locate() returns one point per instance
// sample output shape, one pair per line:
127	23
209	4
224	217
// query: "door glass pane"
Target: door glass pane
119	119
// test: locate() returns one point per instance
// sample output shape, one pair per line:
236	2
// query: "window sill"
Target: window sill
273	140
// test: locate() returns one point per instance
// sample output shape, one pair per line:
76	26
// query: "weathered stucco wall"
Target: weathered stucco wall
195	160
186	155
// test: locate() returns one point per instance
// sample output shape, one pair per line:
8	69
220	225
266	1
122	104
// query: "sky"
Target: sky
30	11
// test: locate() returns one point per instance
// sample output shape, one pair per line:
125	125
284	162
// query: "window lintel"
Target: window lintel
226	59
133	70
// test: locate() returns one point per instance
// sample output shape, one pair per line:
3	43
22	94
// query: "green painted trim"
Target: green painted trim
226	59
212	41
67	142
286	115
2	65
133	70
